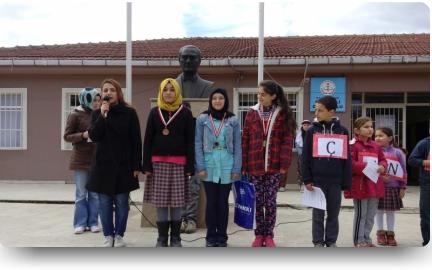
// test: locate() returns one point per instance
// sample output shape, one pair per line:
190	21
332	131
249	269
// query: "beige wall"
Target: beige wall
44	159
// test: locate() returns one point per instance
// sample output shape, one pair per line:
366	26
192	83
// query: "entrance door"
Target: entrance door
389	115
417	129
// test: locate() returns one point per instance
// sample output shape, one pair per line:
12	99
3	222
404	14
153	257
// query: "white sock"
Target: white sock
390	220
379	219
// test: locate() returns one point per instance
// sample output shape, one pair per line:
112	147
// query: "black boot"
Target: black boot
163	227
175	240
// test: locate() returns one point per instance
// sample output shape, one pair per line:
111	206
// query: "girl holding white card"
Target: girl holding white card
394	184
365	191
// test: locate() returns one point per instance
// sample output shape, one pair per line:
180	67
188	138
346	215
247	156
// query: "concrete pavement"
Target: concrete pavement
39	214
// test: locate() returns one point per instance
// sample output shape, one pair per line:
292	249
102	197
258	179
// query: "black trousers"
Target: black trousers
425	212
217	211
327	234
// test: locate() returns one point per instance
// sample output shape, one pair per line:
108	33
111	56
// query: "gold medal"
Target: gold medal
165	131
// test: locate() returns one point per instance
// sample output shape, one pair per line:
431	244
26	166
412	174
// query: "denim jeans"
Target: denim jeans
425	212
121	202
86	202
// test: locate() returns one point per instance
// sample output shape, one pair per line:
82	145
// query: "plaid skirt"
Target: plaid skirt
168	186
391	200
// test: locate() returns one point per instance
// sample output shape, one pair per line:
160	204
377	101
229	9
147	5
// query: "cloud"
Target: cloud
80	21
240	18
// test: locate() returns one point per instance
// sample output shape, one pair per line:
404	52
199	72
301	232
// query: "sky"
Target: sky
37	22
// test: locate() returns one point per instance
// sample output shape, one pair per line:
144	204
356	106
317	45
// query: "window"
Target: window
244	98
13	118
385	109
70	101
356	109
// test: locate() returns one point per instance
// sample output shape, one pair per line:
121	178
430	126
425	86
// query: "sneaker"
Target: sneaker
269	242
259	241
361	245
282	189
302	187
222	244
87	228
95	229
211	244
332	245
183	226
108	242
119	242
370	245
319	245
191	227
79	230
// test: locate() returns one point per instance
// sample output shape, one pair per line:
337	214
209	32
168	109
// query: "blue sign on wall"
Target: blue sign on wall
334	86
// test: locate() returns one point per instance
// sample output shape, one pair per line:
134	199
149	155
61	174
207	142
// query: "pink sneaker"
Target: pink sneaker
269	242
259	241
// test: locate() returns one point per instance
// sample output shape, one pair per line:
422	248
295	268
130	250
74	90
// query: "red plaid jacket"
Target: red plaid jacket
280	145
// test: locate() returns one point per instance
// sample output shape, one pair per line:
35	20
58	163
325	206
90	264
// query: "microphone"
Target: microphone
106	98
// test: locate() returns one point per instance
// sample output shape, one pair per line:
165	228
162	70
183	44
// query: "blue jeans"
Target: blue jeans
121	203
86	202
424	212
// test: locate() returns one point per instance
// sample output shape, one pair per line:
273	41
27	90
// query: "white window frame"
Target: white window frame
298	91
23	92
65	92
64	116
288	90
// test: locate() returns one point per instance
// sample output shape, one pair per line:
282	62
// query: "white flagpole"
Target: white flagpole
261	43
129	53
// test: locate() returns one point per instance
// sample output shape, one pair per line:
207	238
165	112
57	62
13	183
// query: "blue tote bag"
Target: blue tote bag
244	197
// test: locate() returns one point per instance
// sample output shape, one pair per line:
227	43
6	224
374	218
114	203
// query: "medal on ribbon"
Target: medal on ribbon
217	131
265	127
166	131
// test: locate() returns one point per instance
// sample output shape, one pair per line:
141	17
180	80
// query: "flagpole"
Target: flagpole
129	53
261	43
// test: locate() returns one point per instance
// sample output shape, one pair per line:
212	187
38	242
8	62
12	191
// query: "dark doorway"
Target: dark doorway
417	128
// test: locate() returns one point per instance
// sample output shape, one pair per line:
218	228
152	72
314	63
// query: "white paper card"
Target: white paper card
315	198
394	168
371	171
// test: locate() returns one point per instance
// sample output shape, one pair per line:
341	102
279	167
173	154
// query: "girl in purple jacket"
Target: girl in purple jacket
394	185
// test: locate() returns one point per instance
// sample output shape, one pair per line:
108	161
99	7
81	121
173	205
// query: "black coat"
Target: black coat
118	152
179	142
324	171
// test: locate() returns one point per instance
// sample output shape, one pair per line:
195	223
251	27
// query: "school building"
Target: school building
382	76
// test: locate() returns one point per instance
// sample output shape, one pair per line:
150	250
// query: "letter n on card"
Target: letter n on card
330	146
394	168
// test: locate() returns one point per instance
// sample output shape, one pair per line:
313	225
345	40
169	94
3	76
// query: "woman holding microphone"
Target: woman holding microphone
117	162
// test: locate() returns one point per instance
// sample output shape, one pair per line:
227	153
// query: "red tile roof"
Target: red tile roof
275	47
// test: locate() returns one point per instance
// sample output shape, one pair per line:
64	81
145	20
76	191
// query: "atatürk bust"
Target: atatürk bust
192	85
